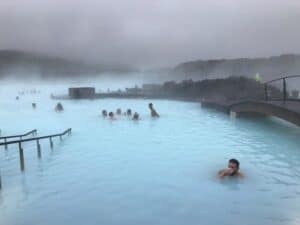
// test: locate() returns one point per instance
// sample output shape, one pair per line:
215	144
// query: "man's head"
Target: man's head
119	111
111	114
150	106
136	116
234	164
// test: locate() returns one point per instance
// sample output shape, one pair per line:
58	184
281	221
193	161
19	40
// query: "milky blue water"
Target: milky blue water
154	171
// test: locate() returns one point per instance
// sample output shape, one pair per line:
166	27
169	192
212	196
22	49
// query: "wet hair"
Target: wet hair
150	105
129	112
104	112
111	114
59	107
236	162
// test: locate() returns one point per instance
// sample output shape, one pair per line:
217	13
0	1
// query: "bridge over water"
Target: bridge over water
285	107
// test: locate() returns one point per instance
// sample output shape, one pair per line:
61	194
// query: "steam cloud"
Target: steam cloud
151	33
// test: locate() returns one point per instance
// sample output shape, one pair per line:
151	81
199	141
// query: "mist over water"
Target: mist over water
153	171
102	83
150	33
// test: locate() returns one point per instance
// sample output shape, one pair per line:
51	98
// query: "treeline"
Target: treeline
269	68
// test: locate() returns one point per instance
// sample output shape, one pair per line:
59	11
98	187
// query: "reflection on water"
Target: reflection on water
154	171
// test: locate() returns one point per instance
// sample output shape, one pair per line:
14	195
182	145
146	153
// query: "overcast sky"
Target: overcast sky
151	32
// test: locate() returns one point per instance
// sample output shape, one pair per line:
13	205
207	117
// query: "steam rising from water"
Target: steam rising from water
147	33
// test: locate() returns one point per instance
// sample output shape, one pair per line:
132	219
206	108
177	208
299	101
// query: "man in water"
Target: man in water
232	170
111	115
59	107
128	112
153	111
104	113
136	116
119	111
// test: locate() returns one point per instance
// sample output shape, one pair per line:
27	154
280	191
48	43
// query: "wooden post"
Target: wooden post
51	142
39	153
21	153
0	182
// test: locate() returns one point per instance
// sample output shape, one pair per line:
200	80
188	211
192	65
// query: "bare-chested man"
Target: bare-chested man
232	170
153	111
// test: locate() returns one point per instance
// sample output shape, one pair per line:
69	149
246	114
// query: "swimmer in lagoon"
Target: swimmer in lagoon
153	111
232	170
111	115
104	113
119	111
59	107
136	116
128	113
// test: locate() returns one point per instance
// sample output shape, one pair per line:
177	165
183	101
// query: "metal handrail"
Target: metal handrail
281	78
37	139
34	132
283	83
68	131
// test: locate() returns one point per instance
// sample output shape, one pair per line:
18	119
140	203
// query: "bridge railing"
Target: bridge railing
280	92
5	138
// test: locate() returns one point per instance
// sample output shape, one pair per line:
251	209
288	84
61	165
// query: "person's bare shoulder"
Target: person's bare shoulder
241	175
221	173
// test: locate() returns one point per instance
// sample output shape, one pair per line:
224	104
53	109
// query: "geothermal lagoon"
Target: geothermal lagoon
151	171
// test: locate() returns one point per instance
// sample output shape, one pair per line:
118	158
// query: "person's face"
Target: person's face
233	166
